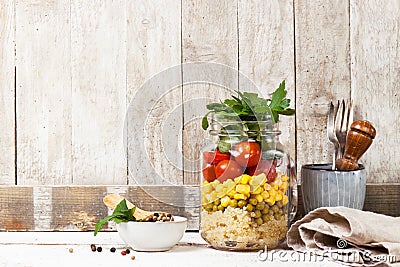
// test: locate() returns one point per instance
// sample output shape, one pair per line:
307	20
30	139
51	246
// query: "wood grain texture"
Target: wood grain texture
43	93
375	82
98	57
16	208
322	73
266	53
209	34
7	92
78	208
155	114
379	198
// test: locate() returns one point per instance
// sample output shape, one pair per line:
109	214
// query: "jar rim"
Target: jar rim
231	124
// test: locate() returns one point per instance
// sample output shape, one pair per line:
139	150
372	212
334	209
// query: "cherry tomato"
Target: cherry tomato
227	169
264	166
209	172
247	154
213	157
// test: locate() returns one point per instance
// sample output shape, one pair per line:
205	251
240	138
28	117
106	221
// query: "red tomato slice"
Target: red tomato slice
209	172
213	157
227	169
247	154
264	166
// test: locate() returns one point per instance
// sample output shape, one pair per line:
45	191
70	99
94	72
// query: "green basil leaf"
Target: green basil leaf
288	112
120	214
231	102
100	223
204	121
216	106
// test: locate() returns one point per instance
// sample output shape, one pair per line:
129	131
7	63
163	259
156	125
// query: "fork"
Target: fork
331	133
344	118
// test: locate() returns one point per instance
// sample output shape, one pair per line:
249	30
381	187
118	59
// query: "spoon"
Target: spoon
112	200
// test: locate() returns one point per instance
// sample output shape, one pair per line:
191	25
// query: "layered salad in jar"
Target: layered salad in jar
245	191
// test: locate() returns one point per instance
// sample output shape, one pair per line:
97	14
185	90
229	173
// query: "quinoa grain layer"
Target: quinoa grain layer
234	229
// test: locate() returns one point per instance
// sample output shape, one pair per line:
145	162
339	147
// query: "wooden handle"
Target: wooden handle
358	140
112	200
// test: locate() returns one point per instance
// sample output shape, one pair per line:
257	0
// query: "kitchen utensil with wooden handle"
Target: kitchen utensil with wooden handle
330	130
112	200
358	140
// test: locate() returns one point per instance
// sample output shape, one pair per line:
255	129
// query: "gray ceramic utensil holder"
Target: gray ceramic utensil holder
323	187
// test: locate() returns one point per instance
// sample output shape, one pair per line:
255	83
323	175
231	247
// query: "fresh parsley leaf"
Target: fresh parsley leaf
121	214
204	121
248	104
278	95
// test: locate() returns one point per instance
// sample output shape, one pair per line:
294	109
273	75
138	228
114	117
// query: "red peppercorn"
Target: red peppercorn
123	253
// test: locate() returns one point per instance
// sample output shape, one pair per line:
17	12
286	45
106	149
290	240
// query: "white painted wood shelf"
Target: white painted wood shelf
52	249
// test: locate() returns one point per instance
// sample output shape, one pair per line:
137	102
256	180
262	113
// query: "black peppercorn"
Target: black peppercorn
99	249
93	247
127	251
112	249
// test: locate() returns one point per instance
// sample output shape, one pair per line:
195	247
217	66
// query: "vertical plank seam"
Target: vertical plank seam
349	54
182	101
295	83
72	91
238	44
15	96
128	102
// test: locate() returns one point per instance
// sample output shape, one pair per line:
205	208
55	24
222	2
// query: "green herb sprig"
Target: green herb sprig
121	214
246	104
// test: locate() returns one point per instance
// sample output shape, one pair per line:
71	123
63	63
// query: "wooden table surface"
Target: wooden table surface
52	249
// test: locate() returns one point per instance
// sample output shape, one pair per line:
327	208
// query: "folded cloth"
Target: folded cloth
350	236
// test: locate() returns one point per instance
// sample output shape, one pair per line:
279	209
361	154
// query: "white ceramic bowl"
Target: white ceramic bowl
152	236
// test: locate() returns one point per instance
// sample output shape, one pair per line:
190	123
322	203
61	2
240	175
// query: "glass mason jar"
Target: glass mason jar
249	189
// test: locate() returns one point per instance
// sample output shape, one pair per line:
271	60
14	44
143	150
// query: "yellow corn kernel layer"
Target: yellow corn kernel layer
245	187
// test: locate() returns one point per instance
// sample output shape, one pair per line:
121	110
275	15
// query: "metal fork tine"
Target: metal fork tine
345	119
331	132
339	116
350	115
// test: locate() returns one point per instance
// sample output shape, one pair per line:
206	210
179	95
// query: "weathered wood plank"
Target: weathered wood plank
379	198
155	114
78	208
43	92
16	208
7	93
98	55
322	72
266	52
209	34
375	82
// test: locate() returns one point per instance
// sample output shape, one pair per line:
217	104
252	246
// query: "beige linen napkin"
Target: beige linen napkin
350	236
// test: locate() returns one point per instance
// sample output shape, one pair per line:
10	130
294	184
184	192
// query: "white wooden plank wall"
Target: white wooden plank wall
266	53
153	45
98	55
80	63
209	34
7	92
43	92
375	81
322	73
